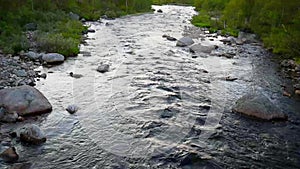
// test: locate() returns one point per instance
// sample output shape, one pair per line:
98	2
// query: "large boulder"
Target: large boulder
24	100
32	134
258	106
185	41
32	55
198	48
53	58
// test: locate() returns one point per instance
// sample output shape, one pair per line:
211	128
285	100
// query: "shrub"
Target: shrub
56	42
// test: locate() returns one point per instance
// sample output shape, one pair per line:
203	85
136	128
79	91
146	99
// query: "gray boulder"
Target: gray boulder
32	55
258	106
31	134
24	100
229	40
53	58
185	41
22	166
6	116
198	48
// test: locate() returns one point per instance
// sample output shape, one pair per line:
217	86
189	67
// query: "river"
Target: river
160	106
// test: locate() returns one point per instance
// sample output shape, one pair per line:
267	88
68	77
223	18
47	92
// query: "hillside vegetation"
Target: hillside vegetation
277	22
56	28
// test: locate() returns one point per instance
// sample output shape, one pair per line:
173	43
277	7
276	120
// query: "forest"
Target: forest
276	22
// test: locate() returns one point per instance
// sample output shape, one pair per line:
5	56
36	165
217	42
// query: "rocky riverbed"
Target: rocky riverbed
152	91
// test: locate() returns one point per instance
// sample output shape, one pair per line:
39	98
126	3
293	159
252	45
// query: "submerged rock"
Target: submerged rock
72	109
185	41
32	134
159	11
24	100
10	155
258	106
53	58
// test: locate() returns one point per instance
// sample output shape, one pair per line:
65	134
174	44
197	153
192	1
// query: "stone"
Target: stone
297	92
91	30
258	106
159	11
10	155
198	48
6	116
43	75
24	100
74	16
32	134
32	55
20	73
229	40
103	68
185	41
72	109
231	79
170	38
288	64
53	58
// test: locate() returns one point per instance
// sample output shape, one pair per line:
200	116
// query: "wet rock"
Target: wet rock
74	16
22	166
193	157
32	55
6	116
10	155
76	76
72	109
30	26
229	40
185	41
288	64
231	79
43	75
170	38
91	30
24	100
20	73
53	58
258	106
159	11
32	134
198	48
287	94
297	86
297	92
103	68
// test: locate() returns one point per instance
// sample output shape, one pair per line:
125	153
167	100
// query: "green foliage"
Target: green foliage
277	22
55	42
57	31
161	2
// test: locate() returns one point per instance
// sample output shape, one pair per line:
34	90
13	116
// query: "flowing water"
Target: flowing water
160	106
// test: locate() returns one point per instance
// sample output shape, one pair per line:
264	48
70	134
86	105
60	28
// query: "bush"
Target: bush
56	42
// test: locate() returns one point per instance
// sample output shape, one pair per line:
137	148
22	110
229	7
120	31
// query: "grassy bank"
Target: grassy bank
276	22
56	24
